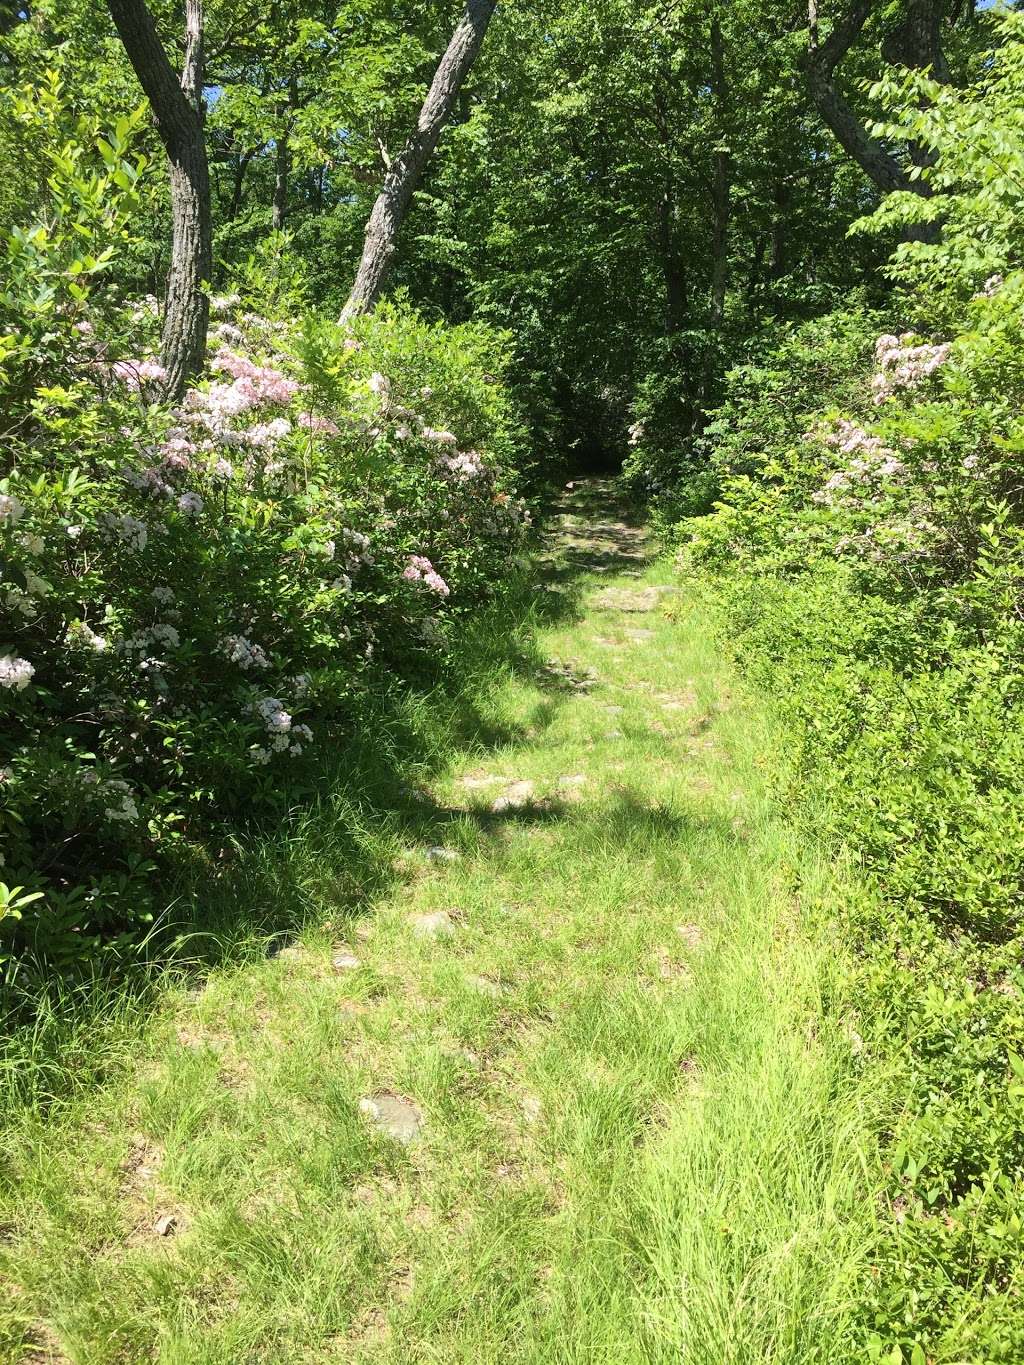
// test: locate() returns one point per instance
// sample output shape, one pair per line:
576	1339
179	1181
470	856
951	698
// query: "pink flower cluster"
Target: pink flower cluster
902	365
319	426
420	570
138	374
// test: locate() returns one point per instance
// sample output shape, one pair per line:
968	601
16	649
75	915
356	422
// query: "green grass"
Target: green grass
642	1126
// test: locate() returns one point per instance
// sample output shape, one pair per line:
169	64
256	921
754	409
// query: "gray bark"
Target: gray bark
406	171
820	62
177	111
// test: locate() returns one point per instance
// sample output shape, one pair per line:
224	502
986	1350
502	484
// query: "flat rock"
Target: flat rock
484	985
345	962
434	924
294	952
626	599
515	796
390	1114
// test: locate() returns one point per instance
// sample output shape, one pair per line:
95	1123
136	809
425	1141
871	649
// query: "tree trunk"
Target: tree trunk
819	62
672	269
721	185
283	158
177	110
406	171
238	182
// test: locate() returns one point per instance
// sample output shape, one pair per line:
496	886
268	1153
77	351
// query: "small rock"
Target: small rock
390	1114
345	962
293	953
614	734
615	710
575	780
439	854
531	1108
166	1225
436	924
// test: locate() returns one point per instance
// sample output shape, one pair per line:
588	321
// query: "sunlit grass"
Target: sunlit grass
641	1136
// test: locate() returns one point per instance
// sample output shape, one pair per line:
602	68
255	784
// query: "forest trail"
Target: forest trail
565	1092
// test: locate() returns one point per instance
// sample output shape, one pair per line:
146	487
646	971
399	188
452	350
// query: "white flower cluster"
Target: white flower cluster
902	365
81	633
636	433
11	510
872	462
356	549
133	532
123	810
462	467
15	673
162	636
239	650
285	736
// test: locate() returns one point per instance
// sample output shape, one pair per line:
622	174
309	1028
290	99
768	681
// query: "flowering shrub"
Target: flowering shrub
192	597
870	560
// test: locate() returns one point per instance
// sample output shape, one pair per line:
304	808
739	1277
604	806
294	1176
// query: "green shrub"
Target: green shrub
192	599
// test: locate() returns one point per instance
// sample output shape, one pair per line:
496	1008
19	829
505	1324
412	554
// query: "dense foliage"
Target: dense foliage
867	543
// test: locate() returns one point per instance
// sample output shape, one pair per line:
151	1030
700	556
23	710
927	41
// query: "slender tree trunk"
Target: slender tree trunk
177	110
673	272
283	158
721	185
238	183
406	171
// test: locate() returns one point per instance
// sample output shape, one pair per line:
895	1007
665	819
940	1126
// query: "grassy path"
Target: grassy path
566	1092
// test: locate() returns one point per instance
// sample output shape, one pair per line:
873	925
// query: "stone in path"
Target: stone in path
514	797
640	637
294	952
484	985
345	962
625	599
390	1114
434	924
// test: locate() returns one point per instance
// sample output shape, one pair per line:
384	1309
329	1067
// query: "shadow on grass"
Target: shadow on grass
332	852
